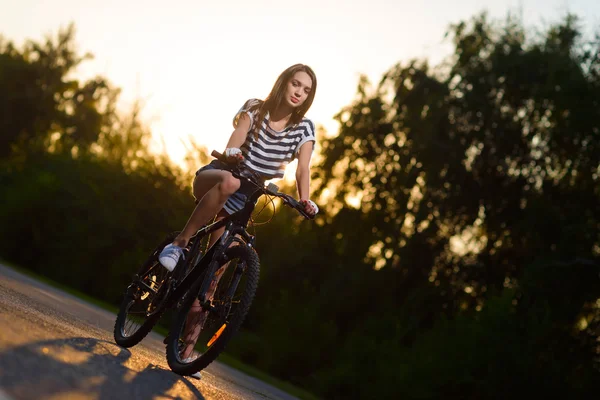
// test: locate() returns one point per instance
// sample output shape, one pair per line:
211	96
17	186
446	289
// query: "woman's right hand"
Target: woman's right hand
234	155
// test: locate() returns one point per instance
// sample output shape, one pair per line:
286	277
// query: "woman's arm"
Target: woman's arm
303	170
240	132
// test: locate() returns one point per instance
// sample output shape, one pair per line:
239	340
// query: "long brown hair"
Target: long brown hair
276	97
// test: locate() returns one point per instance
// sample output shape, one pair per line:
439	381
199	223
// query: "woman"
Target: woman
267	136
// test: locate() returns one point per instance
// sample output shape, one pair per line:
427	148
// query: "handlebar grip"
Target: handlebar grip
298	207
218	156
289	199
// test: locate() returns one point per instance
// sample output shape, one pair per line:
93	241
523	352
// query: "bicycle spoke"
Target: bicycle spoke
203	328
143	299
200	331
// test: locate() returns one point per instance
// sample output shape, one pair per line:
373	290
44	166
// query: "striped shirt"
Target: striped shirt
272	151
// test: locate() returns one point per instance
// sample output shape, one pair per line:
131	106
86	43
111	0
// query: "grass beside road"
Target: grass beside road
224	357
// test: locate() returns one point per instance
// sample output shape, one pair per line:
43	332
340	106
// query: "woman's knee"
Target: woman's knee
229	185
206	180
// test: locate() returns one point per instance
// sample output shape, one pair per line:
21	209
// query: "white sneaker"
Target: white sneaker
195	374
169	256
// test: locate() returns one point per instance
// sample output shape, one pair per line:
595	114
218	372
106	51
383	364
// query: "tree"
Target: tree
491	149
43	107
471	180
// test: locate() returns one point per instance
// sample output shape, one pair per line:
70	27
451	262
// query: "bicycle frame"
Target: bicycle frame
234	226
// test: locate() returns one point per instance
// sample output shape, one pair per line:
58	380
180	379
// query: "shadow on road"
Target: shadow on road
86	367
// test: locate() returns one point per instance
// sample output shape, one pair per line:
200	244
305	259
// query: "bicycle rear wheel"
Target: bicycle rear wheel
199	334
141	305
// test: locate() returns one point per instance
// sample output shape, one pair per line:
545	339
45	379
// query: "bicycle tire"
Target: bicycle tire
122	338
233	320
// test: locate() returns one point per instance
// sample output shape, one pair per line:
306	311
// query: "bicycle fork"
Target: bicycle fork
224	301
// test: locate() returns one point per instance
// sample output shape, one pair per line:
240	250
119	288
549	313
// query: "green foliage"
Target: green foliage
41	106
492	149
78	182
89	223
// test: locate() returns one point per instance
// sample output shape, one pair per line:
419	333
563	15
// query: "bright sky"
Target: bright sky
195	62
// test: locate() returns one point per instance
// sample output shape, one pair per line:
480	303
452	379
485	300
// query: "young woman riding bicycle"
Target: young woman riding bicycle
267	136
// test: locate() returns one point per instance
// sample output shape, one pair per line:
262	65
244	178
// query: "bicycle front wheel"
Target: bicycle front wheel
199	333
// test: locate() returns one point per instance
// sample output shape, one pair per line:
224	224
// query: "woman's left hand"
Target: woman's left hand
310	207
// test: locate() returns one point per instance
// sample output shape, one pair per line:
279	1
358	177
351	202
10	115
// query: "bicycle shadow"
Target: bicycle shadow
85	366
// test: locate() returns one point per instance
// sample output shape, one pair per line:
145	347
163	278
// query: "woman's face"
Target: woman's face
298	88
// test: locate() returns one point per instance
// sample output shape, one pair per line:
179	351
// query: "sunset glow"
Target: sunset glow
195	63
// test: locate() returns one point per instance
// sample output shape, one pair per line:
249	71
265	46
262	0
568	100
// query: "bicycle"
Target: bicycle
211	292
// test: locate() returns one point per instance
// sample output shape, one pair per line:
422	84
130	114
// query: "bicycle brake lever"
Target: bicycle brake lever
272	188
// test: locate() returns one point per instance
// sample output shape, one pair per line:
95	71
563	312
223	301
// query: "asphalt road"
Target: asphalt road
55	346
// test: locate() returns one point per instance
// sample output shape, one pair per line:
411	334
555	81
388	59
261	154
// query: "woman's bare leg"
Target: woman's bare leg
213	188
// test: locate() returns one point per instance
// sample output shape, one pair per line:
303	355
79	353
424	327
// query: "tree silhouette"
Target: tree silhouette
497	149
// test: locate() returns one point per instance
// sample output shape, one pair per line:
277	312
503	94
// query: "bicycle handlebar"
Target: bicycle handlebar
270	189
